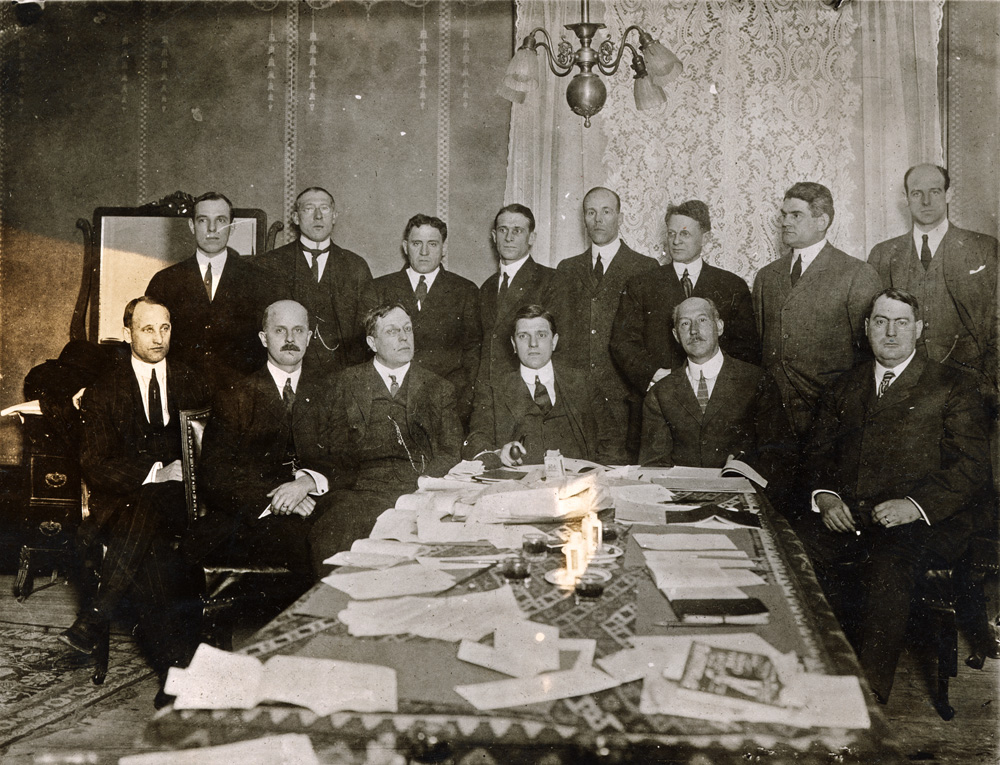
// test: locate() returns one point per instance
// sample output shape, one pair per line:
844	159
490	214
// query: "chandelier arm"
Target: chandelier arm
550	57
613	66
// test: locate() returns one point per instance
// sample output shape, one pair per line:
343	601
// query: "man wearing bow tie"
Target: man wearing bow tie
130	457
328	280
539	406
214	299
444	307
265	462
896	461
810	304
952	272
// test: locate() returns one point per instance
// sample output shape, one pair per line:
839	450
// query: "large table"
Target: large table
433	722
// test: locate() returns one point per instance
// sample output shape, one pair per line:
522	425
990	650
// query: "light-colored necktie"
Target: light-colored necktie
394	386
208	281
884	385
702	391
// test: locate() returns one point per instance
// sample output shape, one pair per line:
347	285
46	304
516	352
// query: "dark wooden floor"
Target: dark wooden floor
106	731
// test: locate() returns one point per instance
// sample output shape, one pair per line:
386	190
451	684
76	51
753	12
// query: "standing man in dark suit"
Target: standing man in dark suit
642	340
328	280
587	290
392	422
266	462
213	298
897	454
539	406
714	406
444	308
130	456
951	271
520	282
810	304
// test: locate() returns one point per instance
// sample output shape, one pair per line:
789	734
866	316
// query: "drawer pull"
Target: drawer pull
50	528
55	480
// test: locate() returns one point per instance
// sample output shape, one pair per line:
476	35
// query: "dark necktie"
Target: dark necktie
421	292
542	396
394	386
884	385
288	395
598	269
797	269
687	284
155	402
502	294
208	282
925	253
702	392
315	260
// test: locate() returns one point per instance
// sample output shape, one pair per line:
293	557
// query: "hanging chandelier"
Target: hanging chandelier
586	93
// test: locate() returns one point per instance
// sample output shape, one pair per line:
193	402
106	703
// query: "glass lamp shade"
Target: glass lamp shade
522	71
586	95
648	95
663	65
514	96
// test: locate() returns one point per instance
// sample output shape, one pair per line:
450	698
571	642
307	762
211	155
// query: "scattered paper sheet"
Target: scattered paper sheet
538	689
684	541
698	575
27	407
469	616
221	680
520	649
693	479
393	582
363	560
396	524
644	493
285	749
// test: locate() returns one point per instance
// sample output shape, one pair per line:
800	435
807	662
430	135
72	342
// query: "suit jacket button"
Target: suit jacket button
593	331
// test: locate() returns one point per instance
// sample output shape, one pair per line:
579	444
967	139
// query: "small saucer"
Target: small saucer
607	553
561	578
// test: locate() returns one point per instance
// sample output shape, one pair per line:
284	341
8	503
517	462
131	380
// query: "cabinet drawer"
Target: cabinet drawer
54	479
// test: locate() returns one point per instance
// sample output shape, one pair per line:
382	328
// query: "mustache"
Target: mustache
290	347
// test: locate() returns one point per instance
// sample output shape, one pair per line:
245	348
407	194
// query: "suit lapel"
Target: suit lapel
902	389
409	297
725	391
684	393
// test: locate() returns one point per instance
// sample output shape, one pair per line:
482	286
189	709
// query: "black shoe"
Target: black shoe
86	631
162	698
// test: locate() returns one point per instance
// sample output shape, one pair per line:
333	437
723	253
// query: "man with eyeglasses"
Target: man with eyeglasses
519	282
392	421
642	339
951	271
328	280
539	406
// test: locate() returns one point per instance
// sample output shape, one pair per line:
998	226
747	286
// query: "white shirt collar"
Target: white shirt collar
280	375
307	242
934	236
693	268
218	262
512	268
711	368
896	370
384	372
808	254
414	277
606	251
546	374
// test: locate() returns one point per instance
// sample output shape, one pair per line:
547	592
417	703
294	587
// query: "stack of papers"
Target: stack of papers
220	680
375	553
394	582
697	566
286	749
459	617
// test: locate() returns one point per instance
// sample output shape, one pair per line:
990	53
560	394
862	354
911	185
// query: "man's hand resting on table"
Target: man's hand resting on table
836	515
512	454
293	497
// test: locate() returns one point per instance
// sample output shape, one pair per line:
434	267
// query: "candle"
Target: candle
592	532
575	551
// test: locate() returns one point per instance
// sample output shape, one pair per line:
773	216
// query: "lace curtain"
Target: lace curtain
772	93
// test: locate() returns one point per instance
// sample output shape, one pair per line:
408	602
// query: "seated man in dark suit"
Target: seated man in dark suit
715	406
392	421
897	457
444	308
265	461
641	341
130	456
520	415
214	300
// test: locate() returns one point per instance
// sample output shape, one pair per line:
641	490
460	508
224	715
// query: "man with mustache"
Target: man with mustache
393	421
713	406
324	277
214	299
130	457
642	340
266	464
540	406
